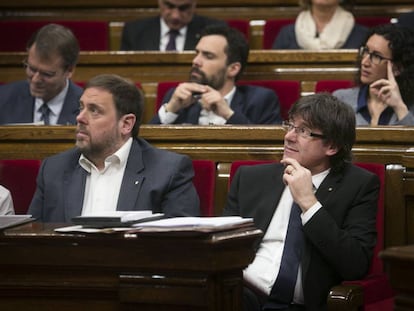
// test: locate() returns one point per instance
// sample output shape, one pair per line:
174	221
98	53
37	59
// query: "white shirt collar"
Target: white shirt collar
120	157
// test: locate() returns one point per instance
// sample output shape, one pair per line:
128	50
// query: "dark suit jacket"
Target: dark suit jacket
251	105
407	20
144	34
154	179
17	104
340	237
286	39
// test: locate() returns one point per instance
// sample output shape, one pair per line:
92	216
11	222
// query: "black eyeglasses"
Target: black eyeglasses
302	131
181	8
374	57
33	70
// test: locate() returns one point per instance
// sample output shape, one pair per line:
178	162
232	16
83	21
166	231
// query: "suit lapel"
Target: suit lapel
70	108
73	191
132	180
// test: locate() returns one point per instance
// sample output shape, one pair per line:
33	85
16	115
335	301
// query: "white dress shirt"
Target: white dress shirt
102	187
263	271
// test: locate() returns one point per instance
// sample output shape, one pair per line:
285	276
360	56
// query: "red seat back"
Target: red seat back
19	176
271	29
204	181
241	25
371	21
287	91
162	89
92	35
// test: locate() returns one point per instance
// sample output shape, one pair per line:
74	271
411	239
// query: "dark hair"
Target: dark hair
401	44
237	49
335	119
127	97
52	40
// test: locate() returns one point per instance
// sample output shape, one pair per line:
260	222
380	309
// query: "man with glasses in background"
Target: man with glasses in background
317	210
177	28
48	96
384	94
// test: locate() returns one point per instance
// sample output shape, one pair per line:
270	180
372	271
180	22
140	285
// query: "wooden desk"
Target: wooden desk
399	264
49	271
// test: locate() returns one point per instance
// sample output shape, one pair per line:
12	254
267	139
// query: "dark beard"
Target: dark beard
216	82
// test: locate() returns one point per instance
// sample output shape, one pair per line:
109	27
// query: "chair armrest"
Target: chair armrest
351	295
345	297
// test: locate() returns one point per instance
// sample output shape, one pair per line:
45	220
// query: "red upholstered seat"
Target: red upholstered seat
241	25
204	181
377	292
287	91
332	85
271	29
371	21
92	35
19	176
162	89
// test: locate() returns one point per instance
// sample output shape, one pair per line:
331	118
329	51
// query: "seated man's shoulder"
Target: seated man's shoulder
15	85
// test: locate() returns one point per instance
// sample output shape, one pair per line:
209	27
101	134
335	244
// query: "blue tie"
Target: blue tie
171	43
282	291
45	111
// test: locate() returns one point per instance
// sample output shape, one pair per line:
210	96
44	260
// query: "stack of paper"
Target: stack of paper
203	224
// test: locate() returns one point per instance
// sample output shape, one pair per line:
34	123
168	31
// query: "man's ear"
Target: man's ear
127	123
233	69
331	150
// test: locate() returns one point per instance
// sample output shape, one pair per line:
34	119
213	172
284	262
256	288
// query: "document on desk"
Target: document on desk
115	219
109	222
8	221
200	224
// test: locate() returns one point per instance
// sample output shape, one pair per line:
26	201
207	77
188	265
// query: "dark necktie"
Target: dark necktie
282	291
45	111
171	43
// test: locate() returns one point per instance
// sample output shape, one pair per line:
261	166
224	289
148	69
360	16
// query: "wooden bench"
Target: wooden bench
254	11
149	68
223	144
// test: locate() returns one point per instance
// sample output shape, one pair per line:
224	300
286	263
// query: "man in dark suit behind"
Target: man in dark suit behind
336	203
212	96
153	33
48	96
111	168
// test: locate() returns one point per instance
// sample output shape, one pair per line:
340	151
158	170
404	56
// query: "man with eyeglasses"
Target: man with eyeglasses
177	28
317	210
48	96
384	94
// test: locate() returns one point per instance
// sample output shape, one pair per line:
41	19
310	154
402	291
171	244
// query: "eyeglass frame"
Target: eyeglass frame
302	131
181	8
33	70
364	51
